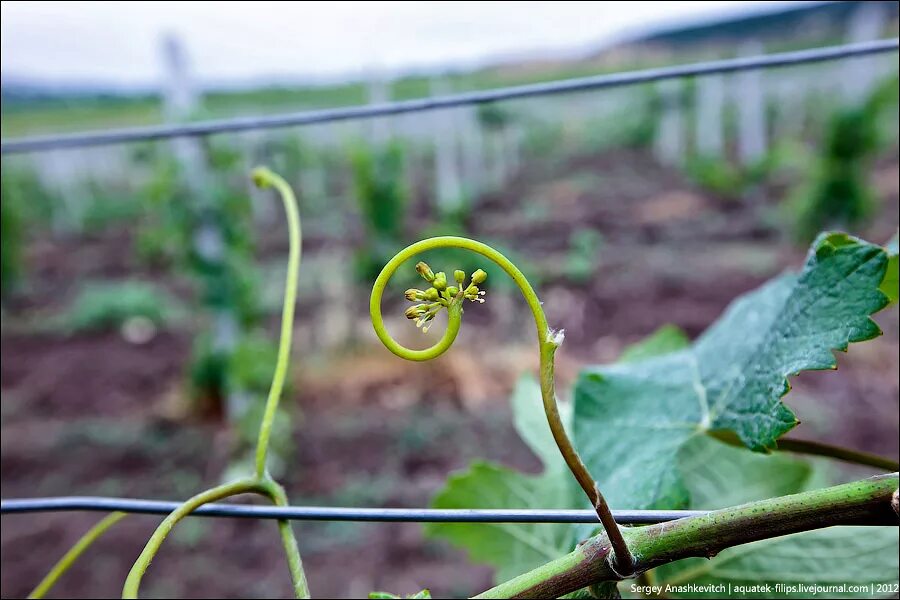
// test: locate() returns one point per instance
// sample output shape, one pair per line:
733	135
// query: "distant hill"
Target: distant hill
805	21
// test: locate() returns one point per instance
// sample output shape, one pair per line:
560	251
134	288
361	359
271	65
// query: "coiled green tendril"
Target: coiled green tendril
548	341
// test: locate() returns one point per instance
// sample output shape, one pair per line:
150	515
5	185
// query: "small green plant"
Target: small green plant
381	194
26	204
717	175
582	258
11	266
102	306
837	192
105	206
22	184
493	116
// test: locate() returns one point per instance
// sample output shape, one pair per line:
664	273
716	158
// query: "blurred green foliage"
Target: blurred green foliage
104	207
208	381
22	185
729	181
171	233
717	175
582	258
494	117
379	183
633	127
163	234
26	203
836	192
108	305
11	265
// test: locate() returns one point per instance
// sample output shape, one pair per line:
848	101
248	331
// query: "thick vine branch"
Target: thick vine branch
865	502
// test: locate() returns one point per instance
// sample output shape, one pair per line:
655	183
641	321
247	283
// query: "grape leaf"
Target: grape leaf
719	475
513	548
667	338
531	422
848	556
632	419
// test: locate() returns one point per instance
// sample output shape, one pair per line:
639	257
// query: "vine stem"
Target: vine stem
548	342
838	453
261	483
798	446
295	564
243	486
865	502
74	552
264	178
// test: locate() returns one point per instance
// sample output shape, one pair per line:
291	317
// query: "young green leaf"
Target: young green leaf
719	475
853	561
531	424
632	419
664	340
513	548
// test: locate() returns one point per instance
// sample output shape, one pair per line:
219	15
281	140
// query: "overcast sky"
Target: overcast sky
234	42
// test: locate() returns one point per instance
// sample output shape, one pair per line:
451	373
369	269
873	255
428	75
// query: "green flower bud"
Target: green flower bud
478	277
474	294
440	281
431	294
414	295
452	291
414	312
425	271
459	275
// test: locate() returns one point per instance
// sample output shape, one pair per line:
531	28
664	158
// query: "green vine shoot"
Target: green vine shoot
441	296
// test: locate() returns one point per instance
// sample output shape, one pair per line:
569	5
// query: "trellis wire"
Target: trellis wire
327	513
202	128
20	506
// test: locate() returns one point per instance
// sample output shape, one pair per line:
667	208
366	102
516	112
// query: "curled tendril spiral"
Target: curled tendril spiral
441	296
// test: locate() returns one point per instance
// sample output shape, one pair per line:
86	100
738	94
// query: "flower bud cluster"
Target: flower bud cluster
440	295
